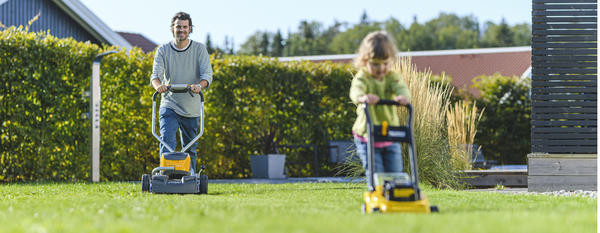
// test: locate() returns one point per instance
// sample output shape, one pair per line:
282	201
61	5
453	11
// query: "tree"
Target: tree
498	35
521	34
349	41
228	47
252	44
447	31
277	45
396	30
209	46
264	44
418	38
306	40
364	19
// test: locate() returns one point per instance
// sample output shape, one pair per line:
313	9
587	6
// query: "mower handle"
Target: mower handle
389	102
370	130
180	88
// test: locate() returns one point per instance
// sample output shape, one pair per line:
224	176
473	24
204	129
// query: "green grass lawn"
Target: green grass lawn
298	207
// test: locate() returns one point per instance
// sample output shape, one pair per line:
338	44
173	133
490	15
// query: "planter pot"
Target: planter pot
269	166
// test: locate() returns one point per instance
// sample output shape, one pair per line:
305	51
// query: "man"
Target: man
181	61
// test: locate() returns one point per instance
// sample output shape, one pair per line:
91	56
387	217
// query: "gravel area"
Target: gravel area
576	193
562	193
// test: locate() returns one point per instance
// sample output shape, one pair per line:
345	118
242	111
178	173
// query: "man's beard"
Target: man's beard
181	37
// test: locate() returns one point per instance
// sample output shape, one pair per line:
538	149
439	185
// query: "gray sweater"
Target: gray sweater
187	66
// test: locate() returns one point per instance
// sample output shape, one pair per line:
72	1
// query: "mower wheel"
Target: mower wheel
203	184
363	208
145	183
434	209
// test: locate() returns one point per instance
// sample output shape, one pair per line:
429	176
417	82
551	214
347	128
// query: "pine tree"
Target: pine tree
277	45
208	44
264	44
364	19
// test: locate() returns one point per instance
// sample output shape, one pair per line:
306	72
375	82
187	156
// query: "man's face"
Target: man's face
181	29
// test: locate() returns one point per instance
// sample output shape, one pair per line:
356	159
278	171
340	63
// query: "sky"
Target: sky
239	19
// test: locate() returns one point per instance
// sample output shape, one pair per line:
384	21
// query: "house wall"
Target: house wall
19	12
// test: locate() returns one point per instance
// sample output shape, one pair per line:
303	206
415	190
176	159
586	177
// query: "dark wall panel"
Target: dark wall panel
564	77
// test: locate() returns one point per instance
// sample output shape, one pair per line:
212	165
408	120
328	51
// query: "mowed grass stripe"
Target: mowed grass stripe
297	207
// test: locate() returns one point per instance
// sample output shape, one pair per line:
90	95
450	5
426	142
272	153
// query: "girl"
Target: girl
375	81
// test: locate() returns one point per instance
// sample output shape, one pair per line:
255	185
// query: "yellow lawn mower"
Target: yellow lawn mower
398	191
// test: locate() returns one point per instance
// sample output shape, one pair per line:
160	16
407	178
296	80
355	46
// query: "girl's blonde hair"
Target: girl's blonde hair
376	45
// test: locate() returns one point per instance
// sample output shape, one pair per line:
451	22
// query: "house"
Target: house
461	64
64	18
139	40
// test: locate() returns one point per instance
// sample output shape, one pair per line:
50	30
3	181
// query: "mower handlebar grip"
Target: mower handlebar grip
179	88
391	102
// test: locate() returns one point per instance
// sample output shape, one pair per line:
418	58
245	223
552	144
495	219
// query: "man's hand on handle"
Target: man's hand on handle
158	86
196	88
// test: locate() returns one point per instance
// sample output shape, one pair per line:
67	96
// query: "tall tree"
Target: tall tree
349	41
227	46
364	18
521	34
208	44
277	45
232	47
499	35
264	44
252	44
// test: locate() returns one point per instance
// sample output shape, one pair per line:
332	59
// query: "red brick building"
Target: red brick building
462	64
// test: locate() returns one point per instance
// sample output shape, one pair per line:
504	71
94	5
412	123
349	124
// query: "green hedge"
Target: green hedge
44	137
505	128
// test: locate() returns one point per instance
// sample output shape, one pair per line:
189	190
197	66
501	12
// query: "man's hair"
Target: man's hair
182	16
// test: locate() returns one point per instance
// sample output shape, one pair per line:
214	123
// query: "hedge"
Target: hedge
504	131
43	135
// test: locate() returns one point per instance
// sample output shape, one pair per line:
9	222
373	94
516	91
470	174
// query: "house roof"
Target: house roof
94	25
462	64
139	40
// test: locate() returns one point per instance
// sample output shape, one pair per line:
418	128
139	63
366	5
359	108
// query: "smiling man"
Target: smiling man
181	61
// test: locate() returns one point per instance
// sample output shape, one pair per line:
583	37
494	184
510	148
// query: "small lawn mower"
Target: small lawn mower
398	191
174	175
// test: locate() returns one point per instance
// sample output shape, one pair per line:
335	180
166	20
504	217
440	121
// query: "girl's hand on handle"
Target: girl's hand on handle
402	100
369	99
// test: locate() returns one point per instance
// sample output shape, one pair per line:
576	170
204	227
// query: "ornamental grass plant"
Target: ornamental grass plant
430	101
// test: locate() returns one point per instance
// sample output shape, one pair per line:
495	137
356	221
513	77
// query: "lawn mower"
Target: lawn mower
390	192
175	175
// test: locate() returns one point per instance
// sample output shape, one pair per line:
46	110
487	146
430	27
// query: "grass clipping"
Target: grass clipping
442	130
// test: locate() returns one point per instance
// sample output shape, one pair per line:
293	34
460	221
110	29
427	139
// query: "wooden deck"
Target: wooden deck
492	178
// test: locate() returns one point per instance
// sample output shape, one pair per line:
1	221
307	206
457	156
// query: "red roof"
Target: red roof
462	64
139	40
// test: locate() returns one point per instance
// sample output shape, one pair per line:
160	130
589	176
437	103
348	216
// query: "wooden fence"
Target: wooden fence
564	77
564	95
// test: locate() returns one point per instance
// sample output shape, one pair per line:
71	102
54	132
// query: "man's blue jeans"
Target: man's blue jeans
169	122
387	159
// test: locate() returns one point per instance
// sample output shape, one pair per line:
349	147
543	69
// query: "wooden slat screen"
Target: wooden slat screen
564	76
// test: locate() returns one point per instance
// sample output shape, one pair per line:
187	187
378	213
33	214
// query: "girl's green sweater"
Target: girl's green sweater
391	85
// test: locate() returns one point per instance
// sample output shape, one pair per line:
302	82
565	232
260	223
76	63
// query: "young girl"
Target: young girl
375	81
